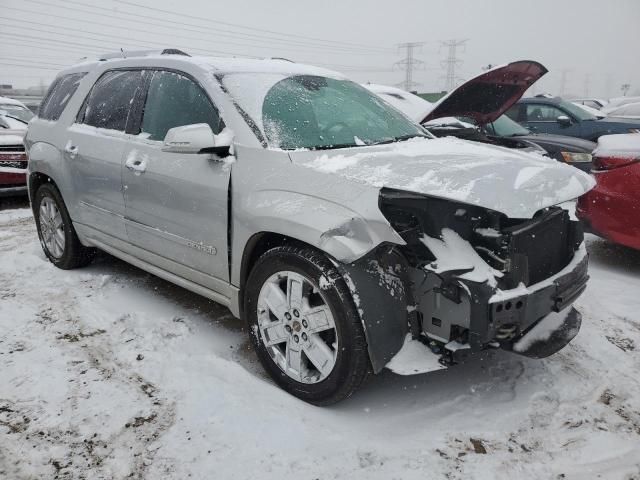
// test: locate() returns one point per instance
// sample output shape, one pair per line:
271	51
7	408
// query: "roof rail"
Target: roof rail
141	53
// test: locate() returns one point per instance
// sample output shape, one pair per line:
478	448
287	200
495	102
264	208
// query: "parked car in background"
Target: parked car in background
558	116
612	209
11	109
629	110
339	229
14	117
471	113
593	111
618	102
596	103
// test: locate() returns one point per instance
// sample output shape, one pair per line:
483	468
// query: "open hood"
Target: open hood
501	179
488	95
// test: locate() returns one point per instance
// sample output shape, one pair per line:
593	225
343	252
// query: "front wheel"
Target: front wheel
55	230
304	325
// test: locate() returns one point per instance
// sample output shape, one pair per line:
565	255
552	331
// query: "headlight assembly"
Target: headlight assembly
572	157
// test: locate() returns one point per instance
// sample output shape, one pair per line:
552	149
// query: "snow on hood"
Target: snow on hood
514	183
12	137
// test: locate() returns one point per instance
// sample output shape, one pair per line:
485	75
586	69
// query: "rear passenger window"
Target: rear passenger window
111	100
59	95
174	100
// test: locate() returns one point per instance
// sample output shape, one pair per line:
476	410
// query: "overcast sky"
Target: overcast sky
592	44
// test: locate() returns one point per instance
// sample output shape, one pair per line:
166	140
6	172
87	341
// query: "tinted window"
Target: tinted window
543	113
111	99
174	100
59	95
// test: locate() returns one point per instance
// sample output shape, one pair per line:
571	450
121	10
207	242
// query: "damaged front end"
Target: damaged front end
476	279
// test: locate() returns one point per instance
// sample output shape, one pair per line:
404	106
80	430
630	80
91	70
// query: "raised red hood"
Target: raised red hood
487	96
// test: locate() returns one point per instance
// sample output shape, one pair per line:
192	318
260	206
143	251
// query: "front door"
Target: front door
94	147
543	118
176	204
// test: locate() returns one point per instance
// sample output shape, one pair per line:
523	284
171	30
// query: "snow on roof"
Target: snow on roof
623	145
408	103
215	64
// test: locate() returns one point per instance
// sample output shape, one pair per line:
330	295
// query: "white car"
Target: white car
630	110
14	115
592	110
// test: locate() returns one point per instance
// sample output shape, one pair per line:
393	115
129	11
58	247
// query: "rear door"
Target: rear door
94	148
176	204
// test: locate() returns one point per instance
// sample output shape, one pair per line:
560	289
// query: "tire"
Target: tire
327	298
69	253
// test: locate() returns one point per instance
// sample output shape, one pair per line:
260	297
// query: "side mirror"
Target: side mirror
564	120
196	138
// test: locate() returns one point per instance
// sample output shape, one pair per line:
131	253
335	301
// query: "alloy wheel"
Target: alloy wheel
297	327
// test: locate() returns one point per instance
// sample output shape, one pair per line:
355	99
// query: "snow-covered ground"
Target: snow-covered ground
108	372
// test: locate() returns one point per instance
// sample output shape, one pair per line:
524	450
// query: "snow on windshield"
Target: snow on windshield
313	111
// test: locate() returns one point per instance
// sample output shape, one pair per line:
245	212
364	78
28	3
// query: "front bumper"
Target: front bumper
13	191
505	317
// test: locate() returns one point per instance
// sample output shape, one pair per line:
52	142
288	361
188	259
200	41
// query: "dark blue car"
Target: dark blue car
555	115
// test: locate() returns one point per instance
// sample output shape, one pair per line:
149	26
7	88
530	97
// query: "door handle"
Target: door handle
71	150
136	165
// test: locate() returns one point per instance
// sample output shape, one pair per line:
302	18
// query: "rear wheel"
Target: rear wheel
304	325
55	230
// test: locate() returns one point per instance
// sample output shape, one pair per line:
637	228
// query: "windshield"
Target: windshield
503	126
16	111
576	111
316	112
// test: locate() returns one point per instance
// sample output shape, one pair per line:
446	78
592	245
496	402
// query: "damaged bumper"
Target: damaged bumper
484	281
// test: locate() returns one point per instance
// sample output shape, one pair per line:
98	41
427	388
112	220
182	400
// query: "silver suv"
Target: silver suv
339	230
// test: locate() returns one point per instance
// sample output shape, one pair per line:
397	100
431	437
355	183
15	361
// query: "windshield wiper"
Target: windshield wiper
336	145
16	118
399	139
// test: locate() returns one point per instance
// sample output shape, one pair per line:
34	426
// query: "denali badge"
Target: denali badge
202	247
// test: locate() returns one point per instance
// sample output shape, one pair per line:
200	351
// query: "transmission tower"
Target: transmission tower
408	64
452	62
563	80
587	84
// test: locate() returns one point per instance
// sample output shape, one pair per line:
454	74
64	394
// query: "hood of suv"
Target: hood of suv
501	179
488	95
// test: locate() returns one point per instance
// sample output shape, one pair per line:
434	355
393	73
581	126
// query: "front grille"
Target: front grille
12	148
10	164
13	156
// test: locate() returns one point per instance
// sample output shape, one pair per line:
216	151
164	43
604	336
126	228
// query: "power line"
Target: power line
316	39
29	66
216	36
452	62
201	29
105	37
409	63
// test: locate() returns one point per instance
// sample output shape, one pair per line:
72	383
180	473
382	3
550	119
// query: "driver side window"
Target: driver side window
173	100
543	113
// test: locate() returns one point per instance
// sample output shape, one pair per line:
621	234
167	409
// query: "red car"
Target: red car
13	163
612	209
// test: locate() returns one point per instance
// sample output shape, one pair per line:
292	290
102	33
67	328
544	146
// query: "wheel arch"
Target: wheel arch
381	304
